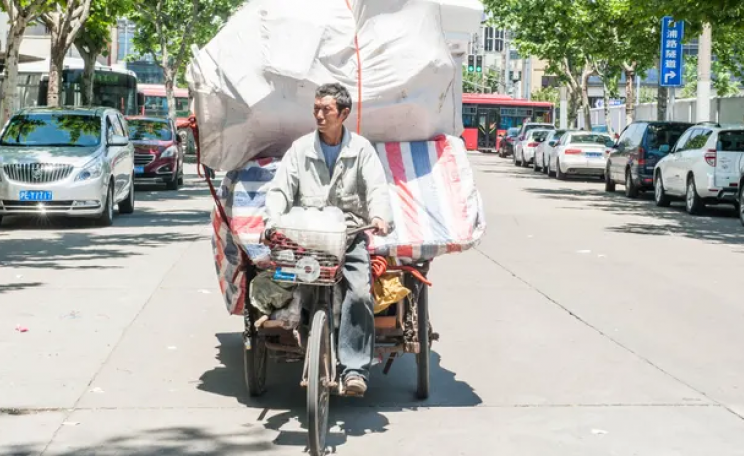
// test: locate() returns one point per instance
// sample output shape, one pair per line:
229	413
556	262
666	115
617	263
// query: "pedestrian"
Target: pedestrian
335	167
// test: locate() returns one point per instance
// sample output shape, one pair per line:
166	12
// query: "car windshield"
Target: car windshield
665	134
512	132
539	135
149	130
538	126
52	130
589	139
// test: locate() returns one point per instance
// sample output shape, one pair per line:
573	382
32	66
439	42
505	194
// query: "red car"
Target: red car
158	153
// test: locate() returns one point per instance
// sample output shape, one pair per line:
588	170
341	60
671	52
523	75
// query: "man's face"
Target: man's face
327	116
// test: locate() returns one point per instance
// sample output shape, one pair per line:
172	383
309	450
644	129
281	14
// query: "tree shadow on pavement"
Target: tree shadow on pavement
349	417
70	250
718	224
185	441
142	217
159	193
5	288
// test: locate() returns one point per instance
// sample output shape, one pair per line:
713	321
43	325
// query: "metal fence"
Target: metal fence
722	110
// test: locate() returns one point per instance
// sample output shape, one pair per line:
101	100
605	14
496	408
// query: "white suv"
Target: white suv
703	168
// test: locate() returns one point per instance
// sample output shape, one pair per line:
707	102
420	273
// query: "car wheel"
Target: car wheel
741	206
180	177
693	203
107	216
535	168
516	162
545	166
525	164
609	183
173	183
660	195
631	191
127	206
1	220
559	174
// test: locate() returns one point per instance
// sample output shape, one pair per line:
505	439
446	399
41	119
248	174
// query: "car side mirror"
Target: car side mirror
118	141
665	149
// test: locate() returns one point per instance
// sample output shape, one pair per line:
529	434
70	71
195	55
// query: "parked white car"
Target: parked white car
546	149
703	167
580	153
74	162
524	151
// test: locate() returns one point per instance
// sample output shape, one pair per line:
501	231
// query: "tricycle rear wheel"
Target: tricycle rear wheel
254	365
423	356
318	384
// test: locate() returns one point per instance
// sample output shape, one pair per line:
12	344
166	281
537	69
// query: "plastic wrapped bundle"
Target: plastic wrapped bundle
254	83
436	206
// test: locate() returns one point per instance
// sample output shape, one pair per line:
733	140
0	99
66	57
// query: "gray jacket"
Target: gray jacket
358	186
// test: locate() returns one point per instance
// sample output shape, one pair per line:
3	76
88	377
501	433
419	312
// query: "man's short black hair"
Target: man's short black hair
338	92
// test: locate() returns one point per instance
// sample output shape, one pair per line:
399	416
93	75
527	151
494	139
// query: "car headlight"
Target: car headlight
92	170
169	152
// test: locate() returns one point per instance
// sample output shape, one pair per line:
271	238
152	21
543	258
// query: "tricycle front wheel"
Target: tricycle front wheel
318	383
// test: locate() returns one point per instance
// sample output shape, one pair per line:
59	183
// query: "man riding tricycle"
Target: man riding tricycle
325	254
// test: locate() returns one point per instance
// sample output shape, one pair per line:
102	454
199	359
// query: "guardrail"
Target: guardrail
723	110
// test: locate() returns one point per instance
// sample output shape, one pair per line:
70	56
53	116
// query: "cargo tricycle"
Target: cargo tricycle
401	328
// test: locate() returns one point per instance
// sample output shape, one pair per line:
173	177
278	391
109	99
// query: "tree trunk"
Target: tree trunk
574	104
661	103
10	81
56	65
606	107
629	96
89	72
585	101
170	76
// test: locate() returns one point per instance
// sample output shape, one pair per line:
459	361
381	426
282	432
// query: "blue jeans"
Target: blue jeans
356	333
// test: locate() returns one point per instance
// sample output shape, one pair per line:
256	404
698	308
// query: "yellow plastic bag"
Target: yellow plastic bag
388	289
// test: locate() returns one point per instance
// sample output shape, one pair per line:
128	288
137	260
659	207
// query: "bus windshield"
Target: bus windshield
111	89
157	106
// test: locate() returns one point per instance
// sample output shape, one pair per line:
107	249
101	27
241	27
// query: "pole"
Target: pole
564	108
704	64
528	79
672	100
507	67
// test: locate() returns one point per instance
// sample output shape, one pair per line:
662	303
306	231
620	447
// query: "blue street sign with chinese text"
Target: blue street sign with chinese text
672	62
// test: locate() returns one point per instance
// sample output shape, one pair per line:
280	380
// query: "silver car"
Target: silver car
66	161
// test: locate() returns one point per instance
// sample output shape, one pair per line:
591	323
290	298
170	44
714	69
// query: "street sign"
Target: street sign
672	62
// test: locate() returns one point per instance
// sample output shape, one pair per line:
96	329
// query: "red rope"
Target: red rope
212	190
380	266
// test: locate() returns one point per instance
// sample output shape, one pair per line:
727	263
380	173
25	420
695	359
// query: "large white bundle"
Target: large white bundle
254	83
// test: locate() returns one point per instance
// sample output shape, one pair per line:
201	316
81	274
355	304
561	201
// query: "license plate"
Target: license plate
594	154
34	195
139	170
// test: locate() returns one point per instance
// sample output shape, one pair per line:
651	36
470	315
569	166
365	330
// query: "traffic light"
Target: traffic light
471	63
479	64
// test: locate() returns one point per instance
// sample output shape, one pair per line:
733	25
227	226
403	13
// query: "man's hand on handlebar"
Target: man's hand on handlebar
381	227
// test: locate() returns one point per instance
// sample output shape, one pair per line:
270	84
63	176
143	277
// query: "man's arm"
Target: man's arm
282	190
375	184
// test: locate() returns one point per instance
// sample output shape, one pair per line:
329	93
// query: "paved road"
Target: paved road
584	324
